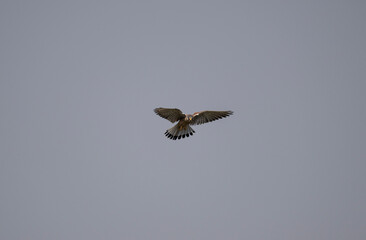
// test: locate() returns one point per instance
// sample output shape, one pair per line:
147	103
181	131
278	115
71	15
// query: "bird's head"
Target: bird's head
189	117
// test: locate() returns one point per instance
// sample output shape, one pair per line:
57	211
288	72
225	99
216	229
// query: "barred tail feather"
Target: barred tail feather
174	133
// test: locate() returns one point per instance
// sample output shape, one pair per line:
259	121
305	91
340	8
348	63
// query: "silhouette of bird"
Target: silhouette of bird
183	129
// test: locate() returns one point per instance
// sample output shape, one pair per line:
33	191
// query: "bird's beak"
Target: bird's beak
190	118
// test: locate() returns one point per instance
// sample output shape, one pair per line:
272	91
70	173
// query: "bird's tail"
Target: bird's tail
175	133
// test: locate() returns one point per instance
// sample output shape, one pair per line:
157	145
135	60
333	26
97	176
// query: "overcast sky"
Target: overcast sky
83	156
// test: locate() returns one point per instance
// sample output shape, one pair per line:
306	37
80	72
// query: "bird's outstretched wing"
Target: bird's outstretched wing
208	116
172	114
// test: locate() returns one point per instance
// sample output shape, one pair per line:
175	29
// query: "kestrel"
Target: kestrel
182	128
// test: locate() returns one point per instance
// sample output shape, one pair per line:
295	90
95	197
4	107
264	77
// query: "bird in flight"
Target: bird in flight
182	128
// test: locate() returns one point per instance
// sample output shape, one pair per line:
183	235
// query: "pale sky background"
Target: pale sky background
83	156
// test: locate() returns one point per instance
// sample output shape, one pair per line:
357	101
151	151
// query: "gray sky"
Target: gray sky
83	156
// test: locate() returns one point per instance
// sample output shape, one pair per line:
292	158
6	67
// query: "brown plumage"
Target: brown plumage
182	129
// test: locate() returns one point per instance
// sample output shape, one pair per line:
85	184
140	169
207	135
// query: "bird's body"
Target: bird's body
183	129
